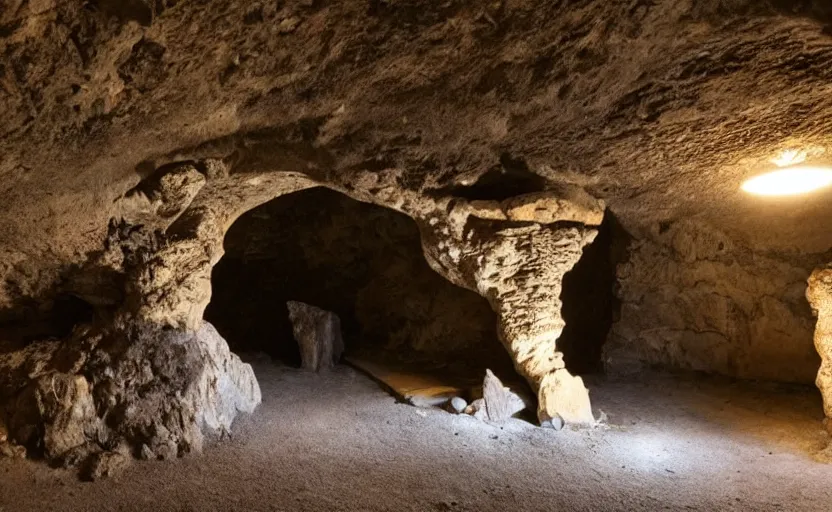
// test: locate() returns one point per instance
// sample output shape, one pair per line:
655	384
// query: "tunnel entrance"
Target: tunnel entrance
362	262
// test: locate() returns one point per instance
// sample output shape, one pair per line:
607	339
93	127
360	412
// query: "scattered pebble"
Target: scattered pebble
457	405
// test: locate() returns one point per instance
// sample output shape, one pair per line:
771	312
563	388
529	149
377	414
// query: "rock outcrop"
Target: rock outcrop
155	376
520	269
138	389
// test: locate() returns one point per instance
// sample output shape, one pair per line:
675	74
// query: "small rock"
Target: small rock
555	423
288	25
477	409
145	453
457	405
12	451
500	402
106	465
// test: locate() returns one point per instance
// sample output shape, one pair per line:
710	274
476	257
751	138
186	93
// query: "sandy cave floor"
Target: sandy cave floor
338	442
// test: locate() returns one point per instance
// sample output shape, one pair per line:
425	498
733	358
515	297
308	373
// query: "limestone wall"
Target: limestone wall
693	298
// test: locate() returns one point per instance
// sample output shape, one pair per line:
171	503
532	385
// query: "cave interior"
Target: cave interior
561	255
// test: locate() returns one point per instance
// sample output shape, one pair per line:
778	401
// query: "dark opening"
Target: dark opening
52	318
589	302
509	179
360	261
67	312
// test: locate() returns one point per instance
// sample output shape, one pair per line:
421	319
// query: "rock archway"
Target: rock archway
151	377
364	263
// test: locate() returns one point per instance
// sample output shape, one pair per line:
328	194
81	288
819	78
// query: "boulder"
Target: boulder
147	390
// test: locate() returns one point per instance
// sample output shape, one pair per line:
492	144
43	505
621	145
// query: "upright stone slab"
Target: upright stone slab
500	402
318	333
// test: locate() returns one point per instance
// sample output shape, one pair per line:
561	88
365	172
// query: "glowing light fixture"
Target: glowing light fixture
790	157
790	181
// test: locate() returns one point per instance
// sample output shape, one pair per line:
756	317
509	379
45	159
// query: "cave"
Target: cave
412	255
364	263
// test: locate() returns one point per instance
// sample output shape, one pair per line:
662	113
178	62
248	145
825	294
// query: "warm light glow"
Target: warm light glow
789	182
789	157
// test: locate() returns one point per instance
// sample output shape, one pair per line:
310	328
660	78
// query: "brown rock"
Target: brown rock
106	465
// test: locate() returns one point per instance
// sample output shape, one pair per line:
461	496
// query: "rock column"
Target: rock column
519	267
819	294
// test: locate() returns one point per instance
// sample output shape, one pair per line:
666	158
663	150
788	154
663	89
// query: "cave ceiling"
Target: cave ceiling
661	108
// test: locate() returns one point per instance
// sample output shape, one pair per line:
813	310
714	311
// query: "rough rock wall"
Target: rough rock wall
819	295
661	108
99	94
693	297
158	376
363	262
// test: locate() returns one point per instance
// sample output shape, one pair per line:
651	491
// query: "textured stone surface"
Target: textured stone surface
151	391
318	333
692	297
361	261
97	101
564	400
520	271
500	402
819	295
176	118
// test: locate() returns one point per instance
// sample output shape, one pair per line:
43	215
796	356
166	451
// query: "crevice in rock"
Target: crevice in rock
512	177
68	312
589	301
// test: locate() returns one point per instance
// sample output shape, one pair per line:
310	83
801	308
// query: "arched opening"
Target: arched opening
364	263
68	311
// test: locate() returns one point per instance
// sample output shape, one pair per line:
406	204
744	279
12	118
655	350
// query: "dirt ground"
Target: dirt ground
338	442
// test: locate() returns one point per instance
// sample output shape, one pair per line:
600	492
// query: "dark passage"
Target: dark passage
589	302
361	261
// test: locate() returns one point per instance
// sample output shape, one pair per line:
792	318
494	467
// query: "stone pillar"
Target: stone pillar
819	294
171	285
519	267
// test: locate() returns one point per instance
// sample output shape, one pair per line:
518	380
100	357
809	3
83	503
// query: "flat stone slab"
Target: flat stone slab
417	388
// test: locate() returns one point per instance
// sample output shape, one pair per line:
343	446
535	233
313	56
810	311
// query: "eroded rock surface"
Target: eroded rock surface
155	391
499	401
819	295
520	270
693	297
361	261
135	133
